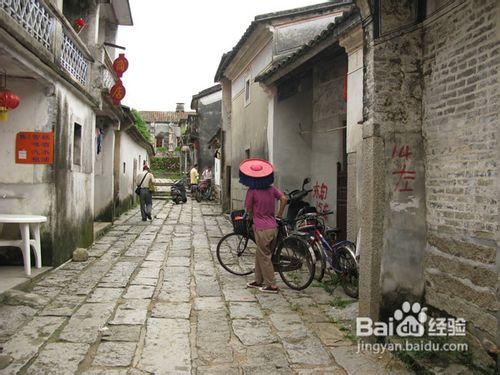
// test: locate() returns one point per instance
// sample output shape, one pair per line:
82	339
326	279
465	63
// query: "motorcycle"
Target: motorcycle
296	201
178	192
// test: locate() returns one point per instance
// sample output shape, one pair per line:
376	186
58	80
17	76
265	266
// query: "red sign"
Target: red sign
35	148
120	65
117	92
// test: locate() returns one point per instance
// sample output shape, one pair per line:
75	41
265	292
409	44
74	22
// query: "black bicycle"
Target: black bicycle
292	257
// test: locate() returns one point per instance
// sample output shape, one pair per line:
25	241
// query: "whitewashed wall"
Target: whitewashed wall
104	180
130	154
25	188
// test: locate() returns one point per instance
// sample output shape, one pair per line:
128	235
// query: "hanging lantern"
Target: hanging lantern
117	92
120	65
79	24
8	100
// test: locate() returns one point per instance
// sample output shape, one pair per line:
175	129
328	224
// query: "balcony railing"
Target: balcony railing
108	75
34	17
43	23
73	60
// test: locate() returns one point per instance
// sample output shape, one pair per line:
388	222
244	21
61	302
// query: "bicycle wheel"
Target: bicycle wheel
296	262
349	278
197	195
320	262
236	254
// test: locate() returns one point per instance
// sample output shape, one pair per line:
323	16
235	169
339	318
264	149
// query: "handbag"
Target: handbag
138	188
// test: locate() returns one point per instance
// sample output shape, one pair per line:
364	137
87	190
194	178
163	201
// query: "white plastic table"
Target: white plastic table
27	224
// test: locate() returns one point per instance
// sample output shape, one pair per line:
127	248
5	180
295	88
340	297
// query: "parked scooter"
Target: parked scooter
296	201
178	192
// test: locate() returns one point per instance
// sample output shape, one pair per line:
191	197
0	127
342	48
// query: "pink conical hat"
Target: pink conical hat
256	168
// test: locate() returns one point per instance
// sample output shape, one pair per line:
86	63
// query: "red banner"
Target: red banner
35	148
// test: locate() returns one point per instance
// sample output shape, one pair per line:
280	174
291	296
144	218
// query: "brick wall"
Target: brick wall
460	117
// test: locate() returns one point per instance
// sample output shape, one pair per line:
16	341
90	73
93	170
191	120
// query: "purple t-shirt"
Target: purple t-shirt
262	203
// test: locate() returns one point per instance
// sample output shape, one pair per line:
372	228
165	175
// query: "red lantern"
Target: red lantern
117	92
120	65
8	99
80	22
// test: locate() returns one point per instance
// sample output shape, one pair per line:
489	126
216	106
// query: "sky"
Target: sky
175	46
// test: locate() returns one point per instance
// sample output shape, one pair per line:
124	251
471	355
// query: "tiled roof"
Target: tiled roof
169	116
336	28
206	92
228	56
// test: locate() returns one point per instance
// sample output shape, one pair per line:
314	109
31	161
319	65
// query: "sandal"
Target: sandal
269	289
254	285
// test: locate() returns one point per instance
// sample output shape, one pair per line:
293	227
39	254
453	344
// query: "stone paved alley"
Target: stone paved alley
153	299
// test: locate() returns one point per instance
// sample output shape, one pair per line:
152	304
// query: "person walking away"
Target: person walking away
194	176
144	180
260	202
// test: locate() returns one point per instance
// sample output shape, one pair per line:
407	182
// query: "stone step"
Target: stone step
161	197
162	192
100	228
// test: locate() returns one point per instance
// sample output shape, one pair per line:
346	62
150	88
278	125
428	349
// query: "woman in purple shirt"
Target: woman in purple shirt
260	202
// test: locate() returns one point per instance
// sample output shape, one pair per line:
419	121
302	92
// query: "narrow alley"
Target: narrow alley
152	299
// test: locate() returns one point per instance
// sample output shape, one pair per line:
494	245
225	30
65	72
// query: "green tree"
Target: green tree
141	125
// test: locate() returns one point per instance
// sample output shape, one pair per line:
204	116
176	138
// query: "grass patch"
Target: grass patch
329	284
423	360
340	303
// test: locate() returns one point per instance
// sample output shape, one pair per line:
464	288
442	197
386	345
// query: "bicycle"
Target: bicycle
204	191
339	256
293	258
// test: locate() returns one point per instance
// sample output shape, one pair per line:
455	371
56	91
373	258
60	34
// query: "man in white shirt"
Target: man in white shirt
144	180
207	174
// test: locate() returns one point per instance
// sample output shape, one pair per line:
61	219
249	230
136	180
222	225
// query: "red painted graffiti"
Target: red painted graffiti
405	176
320	193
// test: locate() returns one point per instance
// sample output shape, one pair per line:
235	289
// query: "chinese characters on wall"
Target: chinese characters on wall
320	194
404	175
35	148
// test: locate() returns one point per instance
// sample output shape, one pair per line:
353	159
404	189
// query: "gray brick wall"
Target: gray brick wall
460	118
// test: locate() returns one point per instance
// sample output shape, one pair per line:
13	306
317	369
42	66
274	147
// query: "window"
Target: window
124	166
77	144
247	91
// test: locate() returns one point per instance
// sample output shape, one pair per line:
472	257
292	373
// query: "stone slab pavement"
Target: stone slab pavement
152	299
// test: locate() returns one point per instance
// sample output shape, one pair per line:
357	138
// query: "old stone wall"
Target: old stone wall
209	121
292	148
460	122
103	176
328	137
248	135
26	188
73	211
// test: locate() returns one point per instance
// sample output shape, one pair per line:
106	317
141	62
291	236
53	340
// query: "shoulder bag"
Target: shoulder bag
138	188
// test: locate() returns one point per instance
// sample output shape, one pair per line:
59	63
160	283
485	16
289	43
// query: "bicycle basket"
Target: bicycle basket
241	223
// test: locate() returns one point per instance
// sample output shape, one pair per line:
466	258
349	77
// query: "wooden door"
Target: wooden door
342	201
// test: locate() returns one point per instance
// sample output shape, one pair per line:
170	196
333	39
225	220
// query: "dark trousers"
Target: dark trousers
146	203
